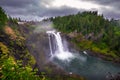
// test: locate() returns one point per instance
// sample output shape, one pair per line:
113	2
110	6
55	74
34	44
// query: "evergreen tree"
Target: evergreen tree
3	19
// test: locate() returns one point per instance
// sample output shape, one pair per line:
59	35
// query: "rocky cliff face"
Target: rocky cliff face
38	46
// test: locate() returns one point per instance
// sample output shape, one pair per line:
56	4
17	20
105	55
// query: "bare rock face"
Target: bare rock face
73	34
113	76
38	46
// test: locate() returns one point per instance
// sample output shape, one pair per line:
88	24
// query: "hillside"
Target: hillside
92	32
18	58
15	60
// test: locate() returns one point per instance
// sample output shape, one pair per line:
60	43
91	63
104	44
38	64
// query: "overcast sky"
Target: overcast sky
39	9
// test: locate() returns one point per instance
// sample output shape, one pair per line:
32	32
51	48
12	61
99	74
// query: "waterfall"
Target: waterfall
59	52
50	45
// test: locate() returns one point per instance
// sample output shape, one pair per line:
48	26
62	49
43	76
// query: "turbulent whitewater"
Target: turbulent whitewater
60	51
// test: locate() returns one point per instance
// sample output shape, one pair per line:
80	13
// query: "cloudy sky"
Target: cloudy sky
39	9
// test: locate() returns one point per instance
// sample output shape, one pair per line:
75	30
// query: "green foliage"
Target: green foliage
3	48
15	60
11	69
13	23
100	35
14	71
3	18
85	22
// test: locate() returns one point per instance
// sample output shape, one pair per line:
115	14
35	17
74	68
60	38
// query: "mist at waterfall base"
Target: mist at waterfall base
43	26
78	63
60	51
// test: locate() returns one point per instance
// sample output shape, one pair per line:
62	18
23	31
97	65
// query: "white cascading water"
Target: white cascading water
60	53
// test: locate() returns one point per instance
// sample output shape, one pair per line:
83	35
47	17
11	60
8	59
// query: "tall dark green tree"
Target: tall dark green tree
3	18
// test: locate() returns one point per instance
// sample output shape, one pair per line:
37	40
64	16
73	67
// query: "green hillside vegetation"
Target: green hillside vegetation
92	32
3	19
16	62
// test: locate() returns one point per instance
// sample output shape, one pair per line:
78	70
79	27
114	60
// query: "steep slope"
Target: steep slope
90	31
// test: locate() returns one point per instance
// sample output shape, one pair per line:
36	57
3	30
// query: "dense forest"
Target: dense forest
90	31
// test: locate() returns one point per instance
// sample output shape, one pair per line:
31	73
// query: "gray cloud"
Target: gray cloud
114	12
110	13
64	10
113	3
31	8
17	3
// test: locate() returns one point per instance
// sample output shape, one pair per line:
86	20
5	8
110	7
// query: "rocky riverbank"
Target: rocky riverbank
73	42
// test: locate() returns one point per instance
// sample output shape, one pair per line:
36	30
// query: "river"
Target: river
82	63
89	67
